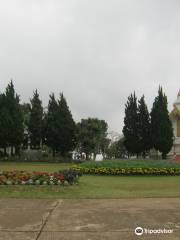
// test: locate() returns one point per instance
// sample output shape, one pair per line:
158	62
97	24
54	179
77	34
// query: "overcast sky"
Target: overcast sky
96	51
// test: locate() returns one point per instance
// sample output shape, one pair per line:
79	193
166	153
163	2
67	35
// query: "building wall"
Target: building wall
176	130
177	148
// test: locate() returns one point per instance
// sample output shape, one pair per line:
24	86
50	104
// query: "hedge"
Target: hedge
127	171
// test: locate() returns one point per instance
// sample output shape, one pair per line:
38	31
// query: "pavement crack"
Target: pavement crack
45	220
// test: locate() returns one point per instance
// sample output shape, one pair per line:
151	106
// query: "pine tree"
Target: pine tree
19	127
144	127
14	118
131	126
161	127
35	121
51	125
60	126
4	118
66	127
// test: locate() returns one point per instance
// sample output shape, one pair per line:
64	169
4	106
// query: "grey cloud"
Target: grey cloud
96	51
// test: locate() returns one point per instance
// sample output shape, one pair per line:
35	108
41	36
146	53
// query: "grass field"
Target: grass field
101	187
131	163
92	186
47	167
52	167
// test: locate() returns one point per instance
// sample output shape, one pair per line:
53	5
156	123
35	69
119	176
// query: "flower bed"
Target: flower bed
39	178
127	171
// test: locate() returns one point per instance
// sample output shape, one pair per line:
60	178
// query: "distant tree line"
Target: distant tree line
30	125
143	130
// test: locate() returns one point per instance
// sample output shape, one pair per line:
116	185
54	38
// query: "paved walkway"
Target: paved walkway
108	219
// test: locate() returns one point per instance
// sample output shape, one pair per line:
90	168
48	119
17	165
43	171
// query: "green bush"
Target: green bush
133	163
127	171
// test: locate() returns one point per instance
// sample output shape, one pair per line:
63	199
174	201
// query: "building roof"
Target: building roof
176	107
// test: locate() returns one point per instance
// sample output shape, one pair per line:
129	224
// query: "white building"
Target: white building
175	119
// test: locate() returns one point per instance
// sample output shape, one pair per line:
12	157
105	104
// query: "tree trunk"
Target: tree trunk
17	150
164	155
54	152
5	152
87	156
11	150
144	155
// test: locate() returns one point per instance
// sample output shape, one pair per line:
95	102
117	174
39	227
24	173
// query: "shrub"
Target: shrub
71	176
133	163
127	171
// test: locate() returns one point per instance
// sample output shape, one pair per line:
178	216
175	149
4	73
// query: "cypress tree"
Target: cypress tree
131	126
14	116
144	127
4	123
161	127
66	127
51	125
35	121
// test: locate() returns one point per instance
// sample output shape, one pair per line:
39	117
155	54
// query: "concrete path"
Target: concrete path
105	219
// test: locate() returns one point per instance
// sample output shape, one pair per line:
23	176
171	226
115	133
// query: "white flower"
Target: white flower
37	182
8	182
51	182
30	181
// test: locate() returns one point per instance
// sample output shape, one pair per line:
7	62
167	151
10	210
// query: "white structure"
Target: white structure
175	119
99	158
114	136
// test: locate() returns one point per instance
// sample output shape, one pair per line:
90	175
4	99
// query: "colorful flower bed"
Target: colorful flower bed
39	178
127	171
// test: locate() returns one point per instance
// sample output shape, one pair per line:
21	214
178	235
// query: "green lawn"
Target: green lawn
47	167
52	167
126	163
92	186
101	187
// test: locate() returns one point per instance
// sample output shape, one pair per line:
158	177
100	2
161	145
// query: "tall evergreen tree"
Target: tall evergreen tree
131	126
66	127
35	121
60	126
14	117
161	127
4	122
51	124
144	127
